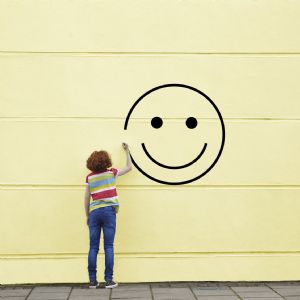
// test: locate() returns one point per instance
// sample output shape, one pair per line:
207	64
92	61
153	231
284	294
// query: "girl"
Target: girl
101	211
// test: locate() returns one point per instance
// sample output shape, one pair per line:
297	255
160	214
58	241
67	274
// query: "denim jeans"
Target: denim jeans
105	218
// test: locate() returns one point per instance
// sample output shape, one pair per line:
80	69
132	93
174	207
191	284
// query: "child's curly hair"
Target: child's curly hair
98	161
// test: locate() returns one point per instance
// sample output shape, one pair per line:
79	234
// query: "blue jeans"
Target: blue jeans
103	217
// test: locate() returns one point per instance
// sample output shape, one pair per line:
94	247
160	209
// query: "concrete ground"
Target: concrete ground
204	290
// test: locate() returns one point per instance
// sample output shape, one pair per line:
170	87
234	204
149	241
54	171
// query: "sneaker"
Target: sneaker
94	284
110	284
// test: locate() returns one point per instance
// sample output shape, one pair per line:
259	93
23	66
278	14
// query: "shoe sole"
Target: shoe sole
111	286
94	286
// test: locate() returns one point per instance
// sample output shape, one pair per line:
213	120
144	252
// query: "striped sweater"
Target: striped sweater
102	187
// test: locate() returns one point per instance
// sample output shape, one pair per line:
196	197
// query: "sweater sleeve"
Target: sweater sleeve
115	171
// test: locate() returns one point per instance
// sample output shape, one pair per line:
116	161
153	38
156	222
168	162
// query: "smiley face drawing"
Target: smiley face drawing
180	144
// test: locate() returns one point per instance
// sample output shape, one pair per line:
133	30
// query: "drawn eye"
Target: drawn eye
191	122
156	122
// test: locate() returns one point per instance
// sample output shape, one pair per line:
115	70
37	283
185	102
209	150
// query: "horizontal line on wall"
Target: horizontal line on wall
152	255
30	186
144	53
55	118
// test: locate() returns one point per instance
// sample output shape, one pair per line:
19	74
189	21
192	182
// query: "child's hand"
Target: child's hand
125	146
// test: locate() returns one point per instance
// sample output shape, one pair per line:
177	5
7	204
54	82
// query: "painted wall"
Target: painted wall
69	73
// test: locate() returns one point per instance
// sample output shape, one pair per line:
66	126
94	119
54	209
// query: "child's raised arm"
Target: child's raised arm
128	164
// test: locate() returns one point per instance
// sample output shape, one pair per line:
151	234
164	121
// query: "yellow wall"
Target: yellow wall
69	73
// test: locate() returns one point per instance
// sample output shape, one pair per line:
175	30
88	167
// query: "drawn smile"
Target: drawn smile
174	167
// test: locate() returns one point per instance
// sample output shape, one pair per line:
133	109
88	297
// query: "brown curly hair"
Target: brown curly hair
99	161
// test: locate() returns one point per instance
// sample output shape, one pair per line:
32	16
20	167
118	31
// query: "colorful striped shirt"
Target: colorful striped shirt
103	189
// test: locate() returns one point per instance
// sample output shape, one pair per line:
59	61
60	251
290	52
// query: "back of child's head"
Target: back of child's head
99	161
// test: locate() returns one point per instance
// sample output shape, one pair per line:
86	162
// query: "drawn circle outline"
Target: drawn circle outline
220	118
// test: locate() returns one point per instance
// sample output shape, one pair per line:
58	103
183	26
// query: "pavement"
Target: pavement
203	290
